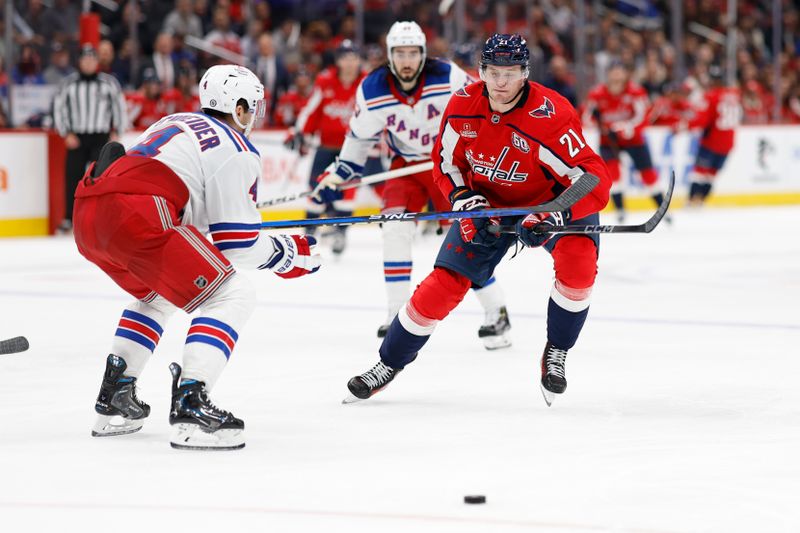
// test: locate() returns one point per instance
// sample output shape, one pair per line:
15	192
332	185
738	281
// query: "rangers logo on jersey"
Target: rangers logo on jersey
491	168
546	110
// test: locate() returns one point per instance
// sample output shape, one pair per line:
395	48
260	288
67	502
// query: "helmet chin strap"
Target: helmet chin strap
248	127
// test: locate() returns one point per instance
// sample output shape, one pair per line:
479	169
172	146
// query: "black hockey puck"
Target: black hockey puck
475	498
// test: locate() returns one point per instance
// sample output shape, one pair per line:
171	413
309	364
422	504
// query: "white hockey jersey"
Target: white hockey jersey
411	121
221	169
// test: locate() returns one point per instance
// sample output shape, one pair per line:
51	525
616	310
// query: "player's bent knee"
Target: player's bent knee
235	299
439	293
649	176
575	261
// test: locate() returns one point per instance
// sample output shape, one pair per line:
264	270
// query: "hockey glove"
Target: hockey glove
328	182
474	230
532	230
294	256
294	141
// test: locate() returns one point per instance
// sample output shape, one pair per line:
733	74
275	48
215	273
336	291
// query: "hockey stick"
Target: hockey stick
368	180
579	188
15	345
647	227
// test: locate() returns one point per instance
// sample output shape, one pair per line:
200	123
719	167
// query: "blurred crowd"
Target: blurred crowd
287	42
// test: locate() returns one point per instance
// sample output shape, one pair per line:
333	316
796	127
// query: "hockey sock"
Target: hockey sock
705	190
436	296
138	332
490	295
397	239
213	334
616	197
342	213
565	319
575	264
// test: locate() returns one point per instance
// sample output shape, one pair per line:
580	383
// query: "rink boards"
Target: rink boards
758	172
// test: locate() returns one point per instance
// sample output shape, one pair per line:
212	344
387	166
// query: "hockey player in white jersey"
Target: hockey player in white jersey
406	99
143	217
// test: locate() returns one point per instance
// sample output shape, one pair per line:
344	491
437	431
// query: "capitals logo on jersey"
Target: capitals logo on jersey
546	110
492	170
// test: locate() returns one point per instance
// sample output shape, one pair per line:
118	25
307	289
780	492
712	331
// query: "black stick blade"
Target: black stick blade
15	345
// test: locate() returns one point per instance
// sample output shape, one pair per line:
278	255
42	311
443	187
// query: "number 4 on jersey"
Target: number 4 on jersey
151	146
567	139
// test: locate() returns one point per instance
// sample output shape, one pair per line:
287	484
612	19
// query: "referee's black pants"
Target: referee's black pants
77	160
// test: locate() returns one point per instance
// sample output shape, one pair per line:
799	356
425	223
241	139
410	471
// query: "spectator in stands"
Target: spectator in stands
652	75
272	72
222	35
152	102
60	65
28	70
287	39
560	79
250	40
182	20
187	89
162	61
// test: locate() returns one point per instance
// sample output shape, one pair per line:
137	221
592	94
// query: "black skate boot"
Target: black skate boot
119	411
554	380
494	331
370	382
199	424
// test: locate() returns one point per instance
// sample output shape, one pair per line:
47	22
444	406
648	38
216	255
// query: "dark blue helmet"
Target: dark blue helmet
347	47
504	50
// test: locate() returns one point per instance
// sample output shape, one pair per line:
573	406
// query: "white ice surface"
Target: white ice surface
682	412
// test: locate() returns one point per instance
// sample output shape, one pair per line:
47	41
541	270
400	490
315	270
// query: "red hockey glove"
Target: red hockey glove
474	230
294	256
532	230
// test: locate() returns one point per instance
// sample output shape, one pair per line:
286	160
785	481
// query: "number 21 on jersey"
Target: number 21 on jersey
573	142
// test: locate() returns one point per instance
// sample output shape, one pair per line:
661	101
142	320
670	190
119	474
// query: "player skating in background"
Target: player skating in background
619	107
406	99
328	113
527	148
142	220
719	115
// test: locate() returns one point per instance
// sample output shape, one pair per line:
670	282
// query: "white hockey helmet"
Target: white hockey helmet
222	86
405	33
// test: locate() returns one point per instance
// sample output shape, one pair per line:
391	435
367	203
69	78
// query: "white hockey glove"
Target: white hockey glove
294	256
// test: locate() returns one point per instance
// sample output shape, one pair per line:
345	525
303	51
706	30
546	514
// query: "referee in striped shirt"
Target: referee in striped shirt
88	111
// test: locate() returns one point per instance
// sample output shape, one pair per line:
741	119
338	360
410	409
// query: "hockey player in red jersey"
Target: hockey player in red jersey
719	116
503	142
328	113
619	108
404	100
673	109
142	217
293	101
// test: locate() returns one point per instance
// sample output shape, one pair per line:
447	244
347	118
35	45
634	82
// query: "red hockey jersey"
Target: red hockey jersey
144	112
329	108
523	157
623	114
288	108
667	111
719	116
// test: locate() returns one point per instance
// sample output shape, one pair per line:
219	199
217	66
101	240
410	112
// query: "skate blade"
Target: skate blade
548	396
111	426
192	437
496	342
352	399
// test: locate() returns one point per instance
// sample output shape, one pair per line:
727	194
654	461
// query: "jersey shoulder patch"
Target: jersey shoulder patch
437	72
376	84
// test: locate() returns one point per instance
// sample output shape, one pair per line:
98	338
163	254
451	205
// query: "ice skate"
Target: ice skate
370	382
554	380
119	411
338	242
198	423
494	331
